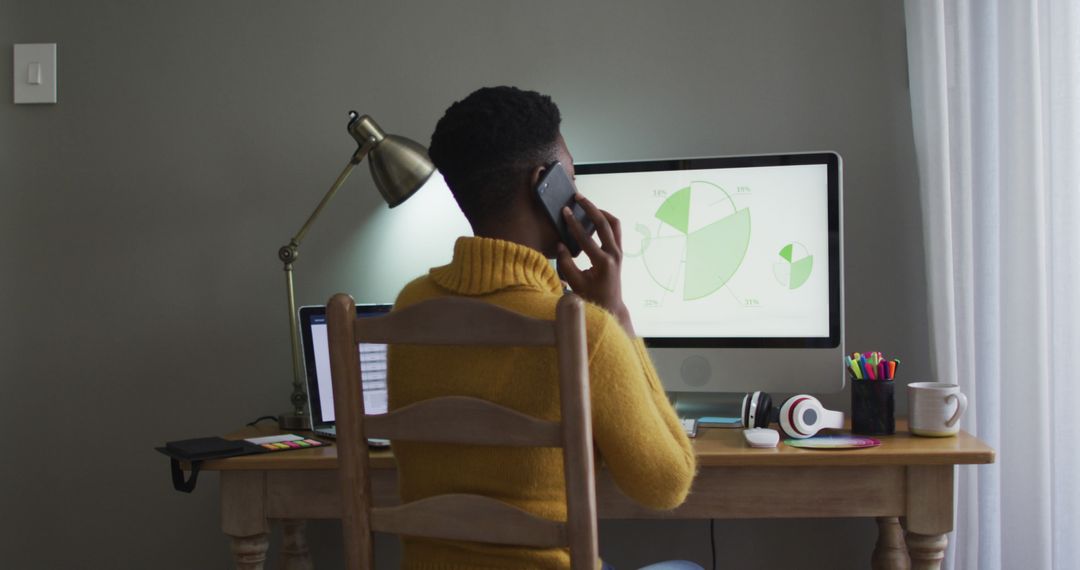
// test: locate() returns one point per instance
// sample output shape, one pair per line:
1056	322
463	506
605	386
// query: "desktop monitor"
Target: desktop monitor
732	269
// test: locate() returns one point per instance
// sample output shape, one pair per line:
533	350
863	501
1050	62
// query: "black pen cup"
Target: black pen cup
872	407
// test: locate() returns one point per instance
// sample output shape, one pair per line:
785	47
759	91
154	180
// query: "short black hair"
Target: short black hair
489	141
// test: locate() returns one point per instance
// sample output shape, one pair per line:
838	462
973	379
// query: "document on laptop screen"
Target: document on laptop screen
372	369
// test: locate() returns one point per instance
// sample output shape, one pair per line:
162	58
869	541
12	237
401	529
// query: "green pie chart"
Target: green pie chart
701	240
794	267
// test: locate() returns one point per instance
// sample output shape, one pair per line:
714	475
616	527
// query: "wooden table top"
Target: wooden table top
714	447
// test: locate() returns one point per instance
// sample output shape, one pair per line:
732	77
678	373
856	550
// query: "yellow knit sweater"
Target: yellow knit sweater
637	434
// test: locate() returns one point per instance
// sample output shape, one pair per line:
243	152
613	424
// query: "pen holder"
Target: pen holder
872	406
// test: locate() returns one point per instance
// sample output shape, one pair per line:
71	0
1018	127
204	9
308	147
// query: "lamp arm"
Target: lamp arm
356	158
288	254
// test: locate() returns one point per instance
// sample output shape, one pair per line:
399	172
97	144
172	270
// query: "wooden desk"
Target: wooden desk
906	483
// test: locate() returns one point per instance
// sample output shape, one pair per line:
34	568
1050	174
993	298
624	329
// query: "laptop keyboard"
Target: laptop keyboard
689	426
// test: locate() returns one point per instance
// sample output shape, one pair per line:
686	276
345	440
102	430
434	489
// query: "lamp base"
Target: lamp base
292	421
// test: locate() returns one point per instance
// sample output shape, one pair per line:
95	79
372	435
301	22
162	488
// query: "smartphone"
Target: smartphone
555	190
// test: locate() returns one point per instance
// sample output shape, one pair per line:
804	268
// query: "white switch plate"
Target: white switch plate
35	73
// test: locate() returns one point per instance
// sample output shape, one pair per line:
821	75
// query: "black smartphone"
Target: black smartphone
555	190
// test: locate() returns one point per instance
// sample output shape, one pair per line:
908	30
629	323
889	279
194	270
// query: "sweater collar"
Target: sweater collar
485	265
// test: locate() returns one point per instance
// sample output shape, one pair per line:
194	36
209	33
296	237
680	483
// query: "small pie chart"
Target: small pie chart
794	267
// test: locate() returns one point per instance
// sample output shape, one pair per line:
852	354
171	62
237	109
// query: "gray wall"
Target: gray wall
141	216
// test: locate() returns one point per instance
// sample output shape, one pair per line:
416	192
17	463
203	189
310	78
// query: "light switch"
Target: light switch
35	73
34	77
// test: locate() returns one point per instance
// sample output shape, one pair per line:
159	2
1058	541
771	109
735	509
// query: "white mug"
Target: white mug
935	408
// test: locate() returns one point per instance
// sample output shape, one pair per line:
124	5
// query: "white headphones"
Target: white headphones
800	416
803	416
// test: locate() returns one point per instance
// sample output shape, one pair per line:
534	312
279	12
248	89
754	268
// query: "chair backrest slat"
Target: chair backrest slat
475	421
455	321
464	420
495	522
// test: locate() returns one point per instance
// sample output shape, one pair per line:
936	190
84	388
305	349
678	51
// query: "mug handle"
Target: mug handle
961	405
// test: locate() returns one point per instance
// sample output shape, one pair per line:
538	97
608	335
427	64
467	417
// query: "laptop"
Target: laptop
317	364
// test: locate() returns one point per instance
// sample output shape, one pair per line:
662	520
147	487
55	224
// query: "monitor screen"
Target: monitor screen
728	252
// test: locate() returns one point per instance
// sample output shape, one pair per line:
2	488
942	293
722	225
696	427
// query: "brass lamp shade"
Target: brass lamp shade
399	166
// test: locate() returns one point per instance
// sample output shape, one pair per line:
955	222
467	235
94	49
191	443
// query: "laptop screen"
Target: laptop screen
317	363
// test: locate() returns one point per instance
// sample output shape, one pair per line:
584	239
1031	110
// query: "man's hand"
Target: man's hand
602	283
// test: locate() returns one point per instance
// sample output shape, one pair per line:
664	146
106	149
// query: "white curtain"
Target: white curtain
995	97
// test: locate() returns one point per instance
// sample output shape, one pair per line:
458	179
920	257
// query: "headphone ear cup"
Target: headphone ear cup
756	409
764	411
790	413
802	416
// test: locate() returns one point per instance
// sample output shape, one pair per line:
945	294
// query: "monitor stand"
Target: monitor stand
707	404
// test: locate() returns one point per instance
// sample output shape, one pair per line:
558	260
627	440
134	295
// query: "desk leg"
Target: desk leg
294	547
890	552
249	552
929	514
243	518
927	550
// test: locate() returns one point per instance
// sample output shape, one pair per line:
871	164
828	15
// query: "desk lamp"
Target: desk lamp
399	167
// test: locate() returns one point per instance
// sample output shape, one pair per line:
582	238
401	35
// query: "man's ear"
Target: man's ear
537	173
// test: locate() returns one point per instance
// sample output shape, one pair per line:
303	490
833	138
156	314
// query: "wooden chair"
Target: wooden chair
463	420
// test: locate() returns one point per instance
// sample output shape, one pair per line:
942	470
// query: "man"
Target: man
492	148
